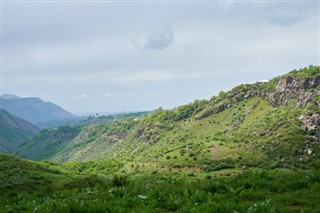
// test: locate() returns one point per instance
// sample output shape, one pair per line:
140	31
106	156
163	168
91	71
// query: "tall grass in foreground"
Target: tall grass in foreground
252	191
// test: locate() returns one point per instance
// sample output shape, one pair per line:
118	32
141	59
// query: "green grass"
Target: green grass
223	191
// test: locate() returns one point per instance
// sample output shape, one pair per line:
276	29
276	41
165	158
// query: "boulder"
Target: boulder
310	122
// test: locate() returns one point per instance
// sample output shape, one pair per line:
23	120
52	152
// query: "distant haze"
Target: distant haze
102	57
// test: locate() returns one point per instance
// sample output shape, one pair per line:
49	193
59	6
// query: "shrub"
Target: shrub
89	181
119	181
222	166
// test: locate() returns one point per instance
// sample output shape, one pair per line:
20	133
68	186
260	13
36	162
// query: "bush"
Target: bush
222	166
89	181
119	181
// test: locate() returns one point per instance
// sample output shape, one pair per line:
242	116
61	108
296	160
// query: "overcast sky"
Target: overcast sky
100	57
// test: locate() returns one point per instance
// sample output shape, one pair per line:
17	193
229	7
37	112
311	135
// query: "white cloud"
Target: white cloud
107	95
81	96
146	76
149	95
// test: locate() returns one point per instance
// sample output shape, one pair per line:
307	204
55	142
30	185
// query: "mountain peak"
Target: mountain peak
34	109
8	96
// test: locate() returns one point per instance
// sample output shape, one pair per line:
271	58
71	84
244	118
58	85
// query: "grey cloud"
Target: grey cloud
159	39
287	16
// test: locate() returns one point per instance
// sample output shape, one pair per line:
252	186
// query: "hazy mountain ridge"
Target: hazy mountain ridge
8	96
14	131
34	110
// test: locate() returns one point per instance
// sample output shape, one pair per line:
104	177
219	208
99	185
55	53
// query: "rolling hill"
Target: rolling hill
50	142
33	110
266	124
14	131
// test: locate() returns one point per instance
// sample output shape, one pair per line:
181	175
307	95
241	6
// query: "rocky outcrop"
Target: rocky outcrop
290	88
149	132
305	98
297	83
310	122
116	137
214	110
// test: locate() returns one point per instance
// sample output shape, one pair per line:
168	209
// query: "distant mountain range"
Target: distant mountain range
34	110
14	131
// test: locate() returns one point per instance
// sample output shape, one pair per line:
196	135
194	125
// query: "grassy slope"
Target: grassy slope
194	133
247	131
50	144
14	132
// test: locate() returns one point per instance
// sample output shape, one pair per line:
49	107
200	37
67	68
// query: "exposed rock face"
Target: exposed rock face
116	137
287	90
290	88
305	97
297	84
214	110
310	122
149	133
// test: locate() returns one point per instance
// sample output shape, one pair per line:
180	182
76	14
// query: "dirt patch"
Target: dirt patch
295	207
213	151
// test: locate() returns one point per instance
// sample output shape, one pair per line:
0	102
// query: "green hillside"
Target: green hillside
14	131
269	124
50	144
255	148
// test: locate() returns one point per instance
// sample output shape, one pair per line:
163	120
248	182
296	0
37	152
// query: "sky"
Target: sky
95	56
